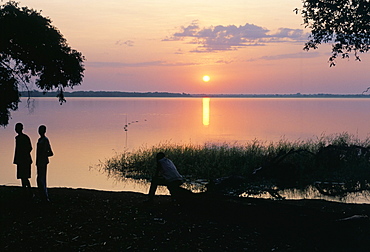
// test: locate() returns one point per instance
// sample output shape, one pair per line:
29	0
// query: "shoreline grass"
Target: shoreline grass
339	158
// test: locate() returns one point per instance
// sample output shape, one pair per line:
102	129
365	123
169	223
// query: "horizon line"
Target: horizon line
180	94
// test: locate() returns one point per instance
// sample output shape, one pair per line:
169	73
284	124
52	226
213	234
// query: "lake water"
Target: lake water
84	131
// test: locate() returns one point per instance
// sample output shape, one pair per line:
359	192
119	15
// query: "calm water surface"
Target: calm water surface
84	131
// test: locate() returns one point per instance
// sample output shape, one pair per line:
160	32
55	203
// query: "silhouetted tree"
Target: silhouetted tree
344	23
32	50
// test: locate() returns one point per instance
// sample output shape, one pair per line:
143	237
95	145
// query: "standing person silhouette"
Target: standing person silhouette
43	152
22	158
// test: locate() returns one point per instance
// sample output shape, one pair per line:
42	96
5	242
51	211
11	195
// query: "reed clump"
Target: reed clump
340	158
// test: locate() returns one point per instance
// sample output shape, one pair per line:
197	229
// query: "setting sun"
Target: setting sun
206	78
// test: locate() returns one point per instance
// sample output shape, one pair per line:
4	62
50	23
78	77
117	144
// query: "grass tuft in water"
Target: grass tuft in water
340	158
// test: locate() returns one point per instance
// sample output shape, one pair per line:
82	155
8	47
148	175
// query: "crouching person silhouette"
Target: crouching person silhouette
166	174
43	152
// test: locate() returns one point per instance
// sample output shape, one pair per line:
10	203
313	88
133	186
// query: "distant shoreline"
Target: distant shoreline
180	95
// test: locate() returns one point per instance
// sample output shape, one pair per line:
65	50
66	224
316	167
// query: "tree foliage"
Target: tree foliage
32	50
344	23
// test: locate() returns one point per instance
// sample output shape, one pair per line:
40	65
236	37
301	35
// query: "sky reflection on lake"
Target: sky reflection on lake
84	131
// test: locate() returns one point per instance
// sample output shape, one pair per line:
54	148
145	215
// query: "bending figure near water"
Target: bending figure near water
22	158
165	174
43	152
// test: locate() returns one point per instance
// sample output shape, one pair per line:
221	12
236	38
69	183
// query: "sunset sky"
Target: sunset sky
245	46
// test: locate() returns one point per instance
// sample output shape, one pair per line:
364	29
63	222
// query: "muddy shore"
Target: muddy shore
90	220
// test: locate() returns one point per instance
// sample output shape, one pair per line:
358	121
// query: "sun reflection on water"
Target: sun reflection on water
205	101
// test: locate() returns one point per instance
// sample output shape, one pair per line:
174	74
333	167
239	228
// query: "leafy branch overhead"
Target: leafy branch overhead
344	23
33	50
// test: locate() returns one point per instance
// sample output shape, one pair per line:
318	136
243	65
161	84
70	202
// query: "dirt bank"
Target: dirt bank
89	220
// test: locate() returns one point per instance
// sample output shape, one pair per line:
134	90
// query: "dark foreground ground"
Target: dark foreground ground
88	220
